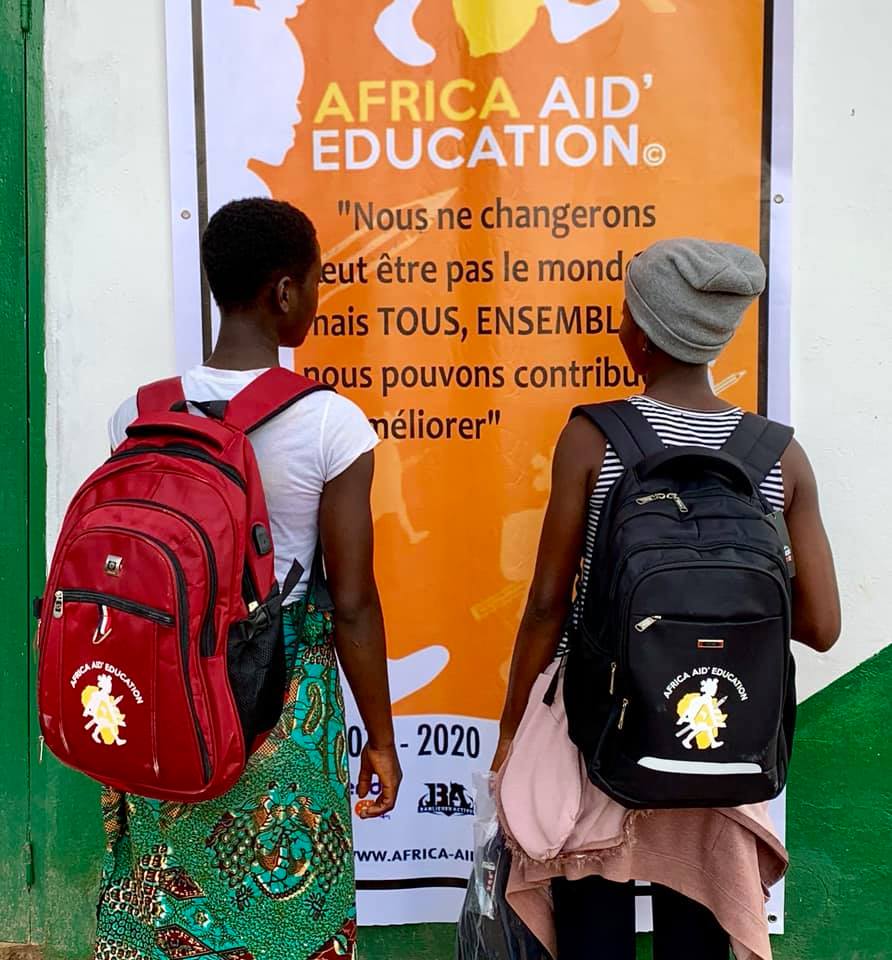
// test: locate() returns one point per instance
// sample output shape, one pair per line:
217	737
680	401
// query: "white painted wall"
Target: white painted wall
109	290
842	300
108	284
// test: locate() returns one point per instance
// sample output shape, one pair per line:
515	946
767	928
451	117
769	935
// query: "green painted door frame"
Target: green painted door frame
22	416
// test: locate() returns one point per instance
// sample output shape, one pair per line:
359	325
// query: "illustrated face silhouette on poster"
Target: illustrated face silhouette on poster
480	174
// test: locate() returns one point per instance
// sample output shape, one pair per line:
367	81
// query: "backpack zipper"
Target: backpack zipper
183	611
630	500
643	625
208	637
184	450
622	713
673	497
250	593
117	603
694	495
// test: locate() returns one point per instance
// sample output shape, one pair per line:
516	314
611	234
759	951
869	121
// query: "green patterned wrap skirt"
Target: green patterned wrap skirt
264	872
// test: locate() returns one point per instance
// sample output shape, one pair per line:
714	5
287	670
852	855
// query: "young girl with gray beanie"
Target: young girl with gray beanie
578	853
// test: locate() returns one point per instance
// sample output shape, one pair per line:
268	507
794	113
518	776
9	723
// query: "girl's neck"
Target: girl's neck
687	387
244	344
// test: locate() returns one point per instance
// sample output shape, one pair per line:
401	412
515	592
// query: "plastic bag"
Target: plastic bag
488	928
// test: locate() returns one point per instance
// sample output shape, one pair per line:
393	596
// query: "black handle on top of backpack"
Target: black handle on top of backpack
676	458
213	409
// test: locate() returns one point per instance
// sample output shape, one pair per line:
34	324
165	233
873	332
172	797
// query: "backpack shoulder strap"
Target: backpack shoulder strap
160	397
269	395
625	427
758	444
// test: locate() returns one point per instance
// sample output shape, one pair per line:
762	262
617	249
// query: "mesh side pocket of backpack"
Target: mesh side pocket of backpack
257	671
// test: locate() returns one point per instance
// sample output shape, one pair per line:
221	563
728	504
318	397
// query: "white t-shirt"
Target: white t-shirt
298	452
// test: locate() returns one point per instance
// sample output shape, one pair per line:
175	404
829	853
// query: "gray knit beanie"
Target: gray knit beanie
690	295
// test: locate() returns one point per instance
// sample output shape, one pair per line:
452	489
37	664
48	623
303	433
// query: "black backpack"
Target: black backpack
679	683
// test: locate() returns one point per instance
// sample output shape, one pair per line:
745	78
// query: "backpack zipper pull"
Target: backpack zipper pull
58	604
674	497
612	678
622	714
647	623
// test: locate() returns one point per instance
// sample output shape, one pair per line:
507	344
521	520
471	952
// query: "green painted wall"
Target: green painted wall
16	299
839	904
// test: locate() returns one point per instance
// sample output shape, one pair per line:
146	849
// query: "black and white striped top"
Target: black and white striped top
676	427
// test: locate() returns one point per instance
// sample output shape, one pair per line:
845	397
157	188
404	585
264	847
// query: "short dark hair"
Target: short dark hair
248	242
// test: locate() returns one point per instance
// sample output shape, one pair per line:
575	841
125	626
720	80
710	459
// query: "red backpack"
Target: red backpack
161	653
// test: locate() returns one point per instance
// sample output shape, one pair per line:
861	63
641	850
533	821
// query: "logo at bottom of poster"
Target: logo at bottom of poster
446	800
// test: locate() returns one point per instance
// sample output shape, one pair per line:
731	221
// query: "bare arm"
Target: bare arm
345	524
577	462
816	610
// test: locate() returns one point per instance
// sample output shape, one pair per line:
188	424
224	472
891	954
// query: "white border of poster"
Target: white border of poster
381	903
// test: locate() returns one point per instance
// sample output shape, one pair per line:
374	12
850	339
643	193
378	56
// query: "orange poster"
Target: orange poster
480	173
